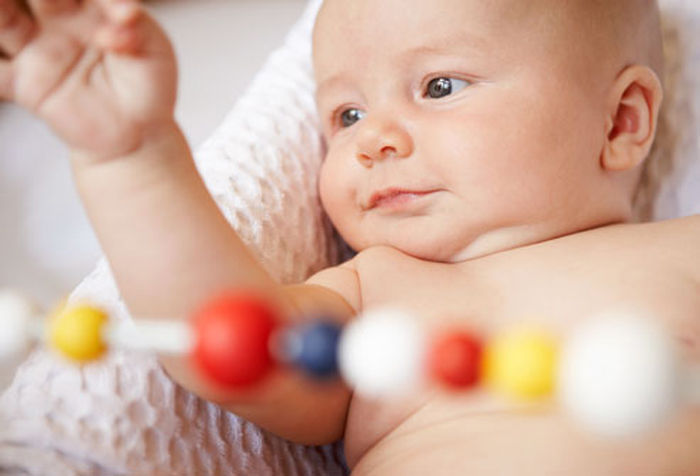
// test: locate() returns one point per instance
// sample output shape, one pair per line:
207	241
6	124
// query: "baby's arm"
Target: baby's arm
171	249
103	75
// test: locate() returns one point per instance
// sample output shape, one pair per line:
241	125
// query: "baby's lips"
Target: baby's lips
380	195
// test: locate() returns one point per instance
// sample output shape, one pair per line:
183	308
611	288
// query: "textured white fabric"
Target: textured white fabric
671	185
124	416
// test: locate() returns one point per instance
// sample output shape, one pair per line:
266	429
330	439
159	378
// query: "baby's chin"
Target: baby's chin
436	251
434	241
449	250
424	251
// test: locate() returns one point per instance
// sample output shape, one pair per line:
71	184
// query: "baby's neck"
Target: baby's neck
507	239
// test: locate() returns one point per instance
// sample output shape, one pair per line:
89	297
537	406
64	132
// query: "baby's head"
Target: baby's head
458	128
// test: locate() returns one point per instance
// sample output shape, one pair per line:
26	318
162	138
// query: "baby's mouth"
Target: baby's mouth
394	198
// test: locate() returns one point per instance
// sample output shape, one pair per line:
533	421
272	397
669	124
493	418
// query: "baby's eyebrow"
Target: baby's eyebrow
330	83
448	44
454	44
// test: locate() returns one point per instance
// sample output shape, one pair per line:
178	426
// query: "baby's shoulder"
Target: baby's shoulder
343	280
685	231
680	238
680	231
366	268
675	242
660	257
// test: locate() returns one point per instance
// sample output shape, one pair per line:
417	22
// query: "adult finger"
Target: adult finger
16	27
46	9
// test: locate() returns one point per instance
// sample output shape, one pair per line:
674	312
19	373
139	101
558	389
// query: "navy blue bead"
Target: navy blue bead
318	355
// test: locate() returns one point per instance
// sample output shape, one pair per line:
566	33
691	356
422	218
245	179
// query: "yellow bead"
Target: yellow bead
76	332
521	364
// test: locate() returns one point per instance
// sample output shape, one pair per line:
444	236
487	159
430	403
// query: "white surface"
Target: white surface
221	44
46	244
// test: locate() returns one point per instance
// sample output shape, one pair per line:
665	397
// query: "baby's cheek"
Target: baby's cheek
337	189
323	185
332	190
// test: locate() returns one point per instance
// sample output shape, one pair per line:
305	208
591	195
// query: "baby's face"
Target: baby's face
455	128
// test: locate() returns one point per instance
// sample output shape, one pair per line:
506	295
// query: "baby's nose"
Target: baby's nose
379	139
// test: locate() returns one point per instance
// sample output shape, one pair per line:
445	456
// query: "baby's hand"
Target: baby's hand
100	72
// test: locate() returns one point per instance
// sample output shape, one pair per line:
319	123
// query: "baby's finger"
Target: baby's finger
122	32
130	30
119	39
45	9
5	81
16	27
121	12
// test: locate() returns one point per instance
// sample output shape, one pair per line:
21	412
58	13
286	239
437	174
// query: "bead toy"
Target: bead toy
617	375
77	332
521	363
620	375
313	348
455	360
382	353
233	339
17	314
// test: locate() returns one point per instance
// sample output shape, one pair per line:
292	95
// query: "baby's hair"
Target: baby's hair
622	33
635	25
613	33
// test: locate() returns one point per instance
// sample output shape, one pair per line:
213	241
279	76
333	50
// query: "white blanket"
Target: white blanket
124	416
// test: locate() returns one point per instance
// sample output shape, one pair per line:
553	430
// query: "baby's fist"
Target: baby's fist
101	72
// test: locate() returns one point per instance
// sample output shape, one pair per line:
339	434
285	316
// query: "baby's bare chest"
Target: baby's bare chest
551	288
539	287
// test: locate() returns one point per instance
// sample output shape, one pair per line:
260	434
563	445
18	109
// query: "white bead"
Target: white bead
16	314
382	353
620	375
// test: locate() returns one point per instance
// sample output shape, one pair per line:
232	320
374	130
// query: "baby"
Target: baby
482	160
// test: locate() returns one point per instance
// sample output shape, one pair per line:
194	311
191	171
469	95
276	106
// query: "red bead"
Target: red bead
232	339
454	360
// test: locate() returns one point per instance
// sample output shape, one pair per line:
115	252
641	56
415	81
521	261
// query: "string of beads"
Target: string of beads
618	375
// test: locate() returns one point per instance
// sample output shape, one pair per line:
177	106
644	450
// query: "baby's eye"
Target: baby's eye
441	87
350	116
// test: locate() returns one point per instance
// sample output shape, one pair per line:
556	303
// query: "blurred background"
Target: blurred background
46	244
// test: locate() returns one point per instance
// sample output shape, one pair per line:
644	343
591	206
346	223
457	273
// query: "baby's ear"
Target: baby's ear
632	119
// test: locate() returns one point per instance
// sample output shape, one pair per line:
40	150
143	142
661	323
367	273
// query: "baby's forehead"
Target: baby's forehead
485	12
369	28
576	27
383	23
